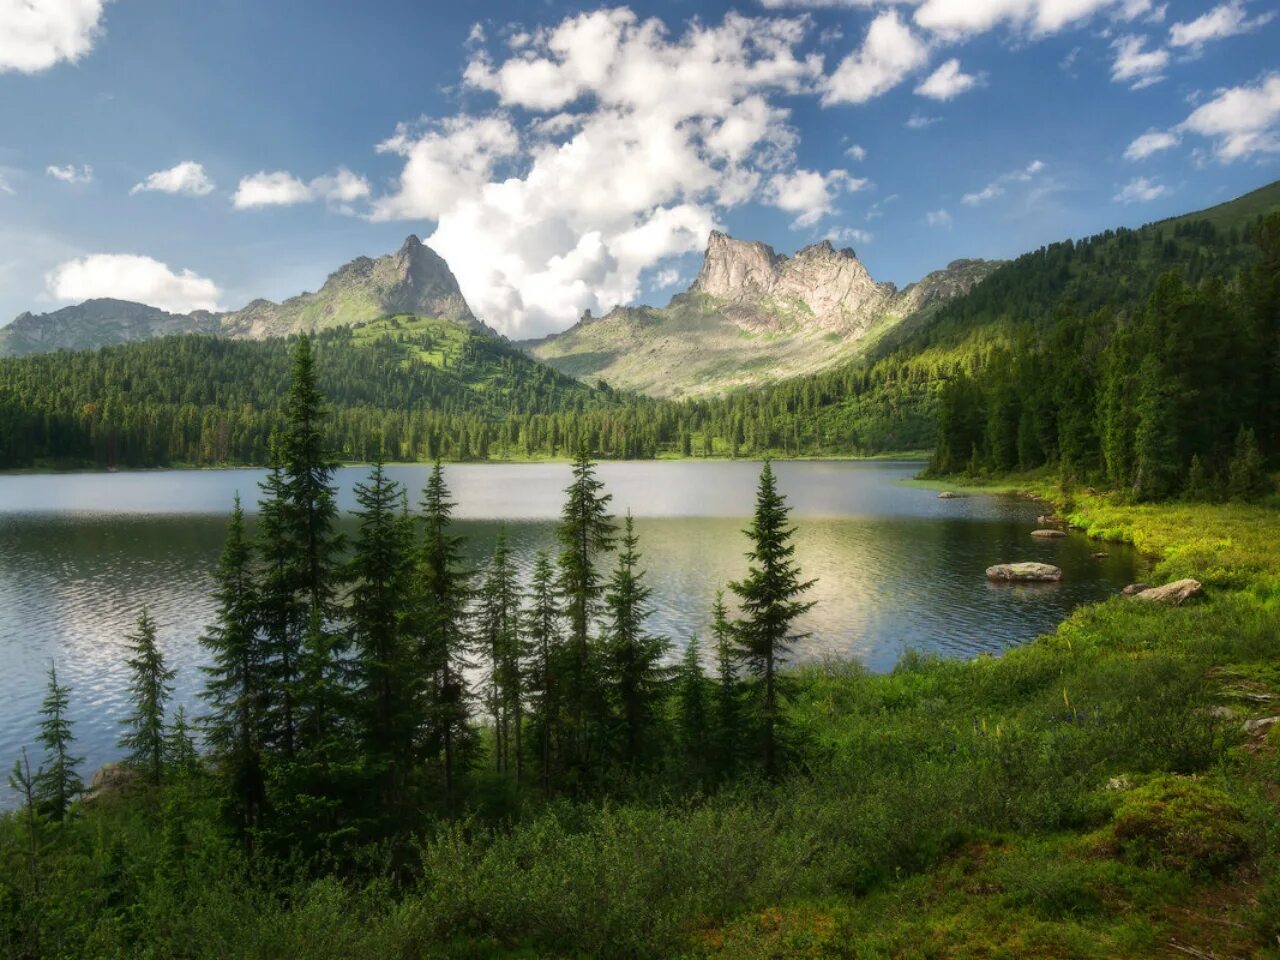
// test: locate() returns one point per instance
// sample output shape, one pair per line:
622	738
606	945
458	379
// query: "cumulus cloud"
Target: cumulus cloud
959	18
938	218
1136	65
1153	141
848	235
1140	190
1242	121
36	34
947	81
889	54
808	194
857	152
131	277
70	173
918	121
996	187
613	146
187	177
283	189
1225	20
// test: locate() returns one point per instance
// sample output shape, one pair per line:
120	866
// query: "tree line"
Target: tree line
356	691
1179	397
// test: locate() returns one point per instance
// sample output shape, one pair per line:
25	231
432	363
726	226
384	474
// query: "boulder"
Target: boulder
1135	588
947	495
1048	534
110	778
1024	573
1049	521
1174	594
1260	725
1100	555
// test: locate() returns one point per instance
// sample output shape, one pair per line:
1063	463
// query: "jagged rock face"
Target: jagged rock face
414	279
97	323
820	286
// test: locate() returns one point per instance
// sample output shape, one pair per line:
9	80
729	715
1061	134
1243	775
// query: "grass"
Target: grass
1089	794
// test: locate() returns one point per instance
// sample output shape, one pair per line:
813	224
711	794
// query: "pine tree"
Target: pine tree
389	686
150	689
695	714
179	745
1199	485
1156	467
1247	480
58	783
278	616
586	530
728	699
444	592
635	679
545	661
236	676
769	597
498	628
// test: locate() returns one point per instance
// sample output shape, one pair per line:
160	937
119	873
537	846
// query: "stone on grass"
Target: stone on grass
1173	594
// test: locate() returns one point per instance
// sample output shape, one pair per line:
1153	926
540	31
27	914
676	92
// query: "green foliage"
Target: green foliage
58	781
150	689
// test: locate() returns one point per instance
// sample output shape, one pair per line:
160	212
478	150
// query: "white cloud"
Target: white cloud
918	121
1153	141
1135	65
1224	20
5	186
954	19
888	55
36	34
131	277
996	187
1243	121
282	189
664	279
847	235
808	194
1140	190
857	152
938	218
947	81
186	177
70	173
613	147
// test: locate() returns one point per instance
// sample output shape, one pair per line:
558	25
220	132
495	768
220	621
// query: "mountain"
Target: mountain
413	280
751	316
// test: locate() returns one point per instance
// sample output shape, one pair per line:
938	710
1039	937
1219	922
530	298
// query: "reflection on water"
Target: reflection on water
80	555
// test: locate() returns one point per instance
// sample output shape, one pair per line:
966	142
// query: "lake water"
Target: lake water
80	554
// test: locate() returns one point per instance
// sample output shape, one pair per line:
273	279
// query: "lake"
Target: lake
80	554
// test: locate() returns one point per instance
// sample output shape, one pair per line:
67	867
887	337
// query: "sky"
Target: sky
565	157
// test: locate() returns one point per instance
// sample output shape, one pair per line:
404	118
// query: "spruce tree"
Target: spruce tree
545	661
586	530
389	686
634	677
150	689
236	676
58	782
728	698
1247	480
769	598
443	595
179	745
278	615
1156	467
696	733
498	628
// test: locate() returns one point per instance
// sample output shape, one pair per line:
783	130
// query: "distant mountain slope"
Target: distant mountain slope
423	386
413	280
752	316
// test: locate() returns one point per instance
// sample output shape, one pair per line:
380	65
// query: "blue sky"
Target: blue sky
565	156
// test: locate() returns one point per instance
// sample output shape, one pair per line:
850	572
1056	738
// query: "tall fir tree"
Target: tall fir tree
444	592
696	732
728	697
498	629
388	679
1246	475
150	689
278	615
770	600
545	656
235	678
180	753
586	530
636	681
58	782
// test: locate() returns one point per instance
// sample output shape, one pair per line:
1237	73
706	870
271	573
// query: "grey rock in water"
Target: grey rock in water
1048	534
1024	573
1174	594
948	495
